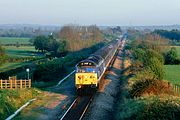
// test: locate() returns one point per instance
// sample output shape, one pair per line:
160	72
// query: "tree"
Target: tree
17	44
62	48
171	56
79	37
52	45
40	43
2	55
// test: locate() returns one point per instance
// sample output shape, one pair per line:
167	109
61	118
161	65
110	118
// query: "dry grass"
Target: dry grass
45	107
159	88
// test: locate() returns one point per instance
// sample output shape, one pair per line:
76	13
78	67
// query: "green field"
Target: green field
14	40
23	51
172	73
20	52
8	66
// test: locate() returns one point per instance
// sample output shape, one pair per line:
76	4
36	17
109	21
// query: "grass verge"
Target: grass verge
11	100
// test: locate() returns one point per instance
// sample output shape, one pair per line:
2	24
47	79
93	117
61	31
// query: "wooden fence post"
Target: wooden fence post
21	84
10	81
15	83
6	84
30	83
24	83
1	84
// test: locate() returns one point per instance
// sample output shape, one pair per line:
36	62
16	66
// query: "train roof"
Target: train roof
98	57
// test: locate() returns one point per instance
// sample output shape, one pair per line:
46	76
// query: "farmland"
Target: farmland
23	51
14	52
13	40
172	73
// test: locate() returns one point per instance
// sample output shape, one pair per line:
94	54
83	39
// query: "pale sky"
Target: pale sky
85	12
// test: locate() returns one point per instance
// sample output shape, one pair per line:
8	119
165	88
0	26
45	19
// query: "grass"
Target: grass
20	52
14	40
23	51
13	65
172	73
11	100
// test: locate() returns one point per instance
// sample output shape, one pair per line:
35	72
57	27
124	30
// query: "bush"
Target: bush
2	56
139	87
150	108
171	57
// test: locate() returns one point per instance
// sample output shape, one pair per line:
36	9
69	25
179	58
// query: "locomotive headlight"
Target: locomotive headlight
94	71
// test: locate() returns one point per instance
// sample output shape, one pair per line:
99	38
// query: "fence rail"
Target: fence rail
176	88
13	84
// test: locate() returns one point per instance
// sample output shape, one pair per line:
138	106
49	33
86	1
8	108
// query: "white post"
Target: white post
27	70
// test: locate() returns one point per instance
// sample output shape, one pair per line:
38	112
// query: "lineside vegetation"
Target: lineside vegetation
149	96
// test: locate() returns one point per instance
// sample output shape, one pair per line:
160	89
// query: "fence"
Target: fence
176	88
12	83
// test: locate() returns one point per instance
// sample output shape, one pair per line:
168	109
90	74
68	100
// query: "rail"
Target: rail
13	84
78	108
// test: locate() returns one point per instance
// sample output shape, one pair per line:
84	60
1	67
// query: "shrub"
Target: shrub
150	108
139	87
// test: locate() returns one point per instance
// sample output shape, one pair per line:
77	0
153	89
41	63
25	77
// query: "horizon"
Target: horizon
83	12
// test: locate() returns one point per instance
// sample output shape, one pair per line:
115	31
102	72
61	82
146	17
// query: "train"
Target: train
90	71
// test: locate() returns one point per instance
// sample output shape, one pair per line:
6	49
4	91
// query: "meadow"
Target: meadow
172	73
13	40
22	51
17	52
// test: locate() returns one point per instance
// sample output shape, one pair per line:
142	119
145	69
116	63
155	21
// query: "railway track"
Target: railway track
80	105
78	108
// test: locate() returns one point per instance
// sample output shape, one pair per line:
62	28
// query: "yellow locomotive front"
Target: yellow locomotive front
86	75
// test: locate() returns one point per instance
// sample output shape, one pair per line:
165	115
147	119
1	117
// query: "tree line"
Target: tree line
172	35
79	37
69	38
149	54
49	44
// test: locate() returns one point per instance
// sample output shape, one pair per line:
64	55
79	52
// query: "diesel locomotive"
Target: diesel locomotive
89	71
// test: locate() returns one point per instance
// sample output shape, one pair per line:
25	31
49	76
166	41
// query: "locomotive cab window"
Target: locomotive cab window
85	69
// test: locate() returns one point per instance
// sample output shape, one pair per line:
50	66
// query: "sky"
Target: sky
86	12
